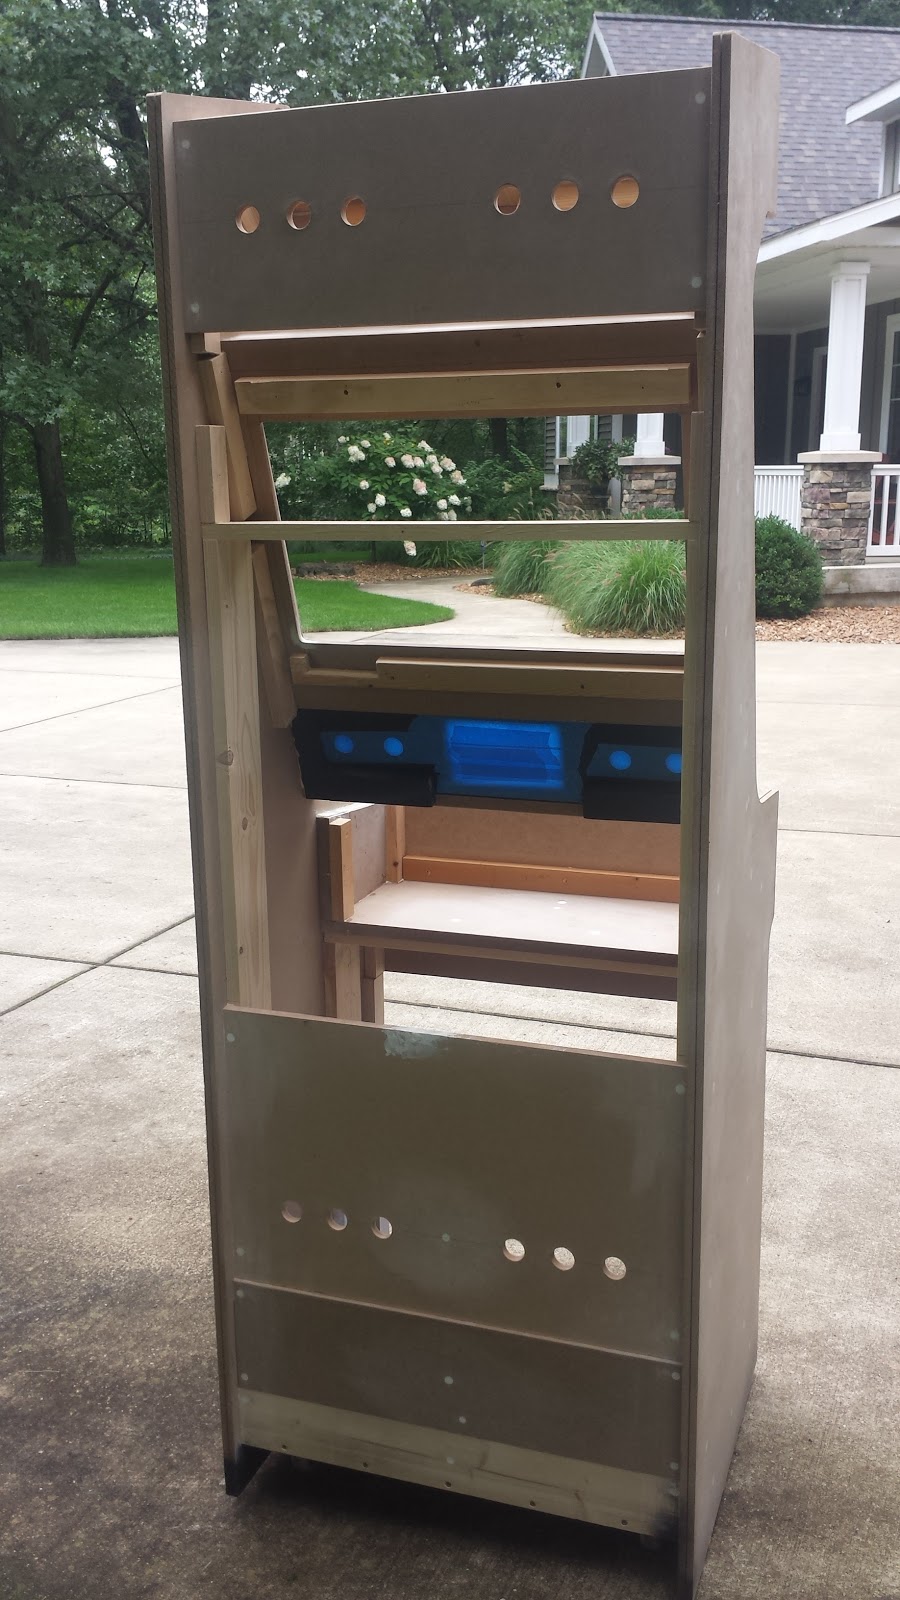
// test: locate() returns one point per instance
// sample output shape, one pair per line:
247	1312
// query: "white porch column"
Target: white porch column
578	431
843	377
649	444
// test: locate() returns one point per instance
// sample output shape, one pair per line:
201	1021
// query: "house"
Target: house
827	297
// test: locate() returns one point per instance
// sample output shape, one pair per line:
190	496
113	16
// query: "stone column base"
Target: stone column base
835	497
648	483
577	498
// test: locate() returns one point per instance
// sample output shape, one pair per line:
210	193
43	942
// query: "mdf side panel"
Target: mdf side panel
432	246
729	833
186	411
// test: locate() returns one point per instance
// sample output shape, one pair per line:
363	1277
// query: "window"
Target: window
889	441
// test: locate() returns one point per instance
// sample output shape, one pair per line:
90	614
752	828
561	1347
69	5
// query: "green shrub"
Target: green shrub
507	490
789	576
655	514
520	567
598	460
623	586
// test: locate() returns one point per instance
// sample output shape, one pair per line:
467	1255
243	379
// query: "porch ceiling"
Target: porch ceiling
793	290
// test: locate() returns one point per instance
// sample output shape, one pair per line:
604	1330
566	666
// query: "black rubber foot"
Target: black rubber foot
243	1467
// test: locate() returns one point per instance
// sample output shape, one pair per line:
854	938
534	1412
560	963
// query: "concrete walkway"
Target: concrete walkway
110	1472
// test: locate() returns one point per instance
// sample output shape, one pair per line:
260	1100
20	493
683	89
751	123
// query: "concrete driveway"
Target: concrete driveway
111	1469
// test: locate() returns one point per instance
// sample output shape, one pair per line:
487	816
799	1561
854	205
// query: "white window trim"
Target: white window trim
891	327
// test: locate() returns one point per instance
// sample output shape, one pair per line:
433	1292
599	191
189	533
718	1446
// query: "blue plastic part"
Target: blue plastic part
509	756
673	761
343	744
620	760
392	746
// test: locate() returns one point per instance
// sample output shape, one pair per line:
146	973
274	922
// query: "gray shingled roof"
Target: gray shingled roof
824	166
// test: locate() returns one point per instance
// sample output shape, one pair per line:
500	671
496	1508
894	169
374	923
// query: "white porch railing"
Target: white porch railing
776	493
884	535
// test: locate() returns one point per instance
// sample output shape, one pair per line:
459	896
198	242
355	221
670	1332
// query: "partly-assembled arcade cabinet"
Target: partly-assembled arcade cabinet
507	1270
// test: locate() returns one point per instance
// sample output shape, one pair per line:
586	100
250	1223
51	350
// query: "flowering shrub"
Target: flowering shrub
394	475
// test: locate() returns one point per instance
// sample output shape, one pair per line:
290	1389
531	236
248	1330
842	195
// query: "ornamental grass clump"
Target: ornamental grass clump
623	586
520	567
789	576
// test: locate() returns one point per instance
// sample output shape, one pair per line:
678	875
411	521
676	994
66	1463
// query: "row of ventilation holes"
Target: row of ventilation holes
507	201
513	1249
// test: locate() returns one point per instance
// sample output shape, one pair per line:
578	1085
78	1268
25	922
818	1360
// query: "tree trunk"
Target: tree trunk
499	437
58	541
3	428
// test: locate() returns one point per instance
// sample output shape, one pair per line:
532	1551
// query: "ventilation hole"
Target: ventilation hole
247	219
566	195
337	1219
299	215
292	1211
513	1249
614	1268
624	192
353	211
563	1258
507	200
381	1228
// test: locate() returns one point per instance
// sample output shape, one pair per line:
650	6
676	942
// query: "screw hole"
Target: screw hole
563	1258
353	211
513	1249
337	1219
624	192
614	1268
292	1211
247	219
299	215
382	1228
566	195
507	200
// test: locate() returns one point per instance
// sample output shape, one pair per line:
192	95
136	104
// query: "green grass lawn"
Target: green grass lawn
133	596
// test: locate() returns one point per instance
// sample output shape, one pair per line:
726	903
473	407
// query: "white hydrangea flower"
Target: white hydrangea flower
419	487
386	437
436	467
442	505
423	445
342	438
354	452
365	444
451	516
457	476
443	516
418	462
405	511
389	461
408	461
364	483
430	459
408	545
447	464
371	508
455	500
282	481
380	500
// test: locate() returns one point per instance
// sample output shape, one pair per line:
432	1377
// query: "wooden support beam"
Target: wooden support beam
372	984
423	675
222	410
232	644
273	654
212	474
564	391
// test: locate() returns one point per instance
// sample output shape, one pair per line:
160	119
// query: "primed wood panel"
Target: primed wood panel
475	1139
432	247
592	1405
